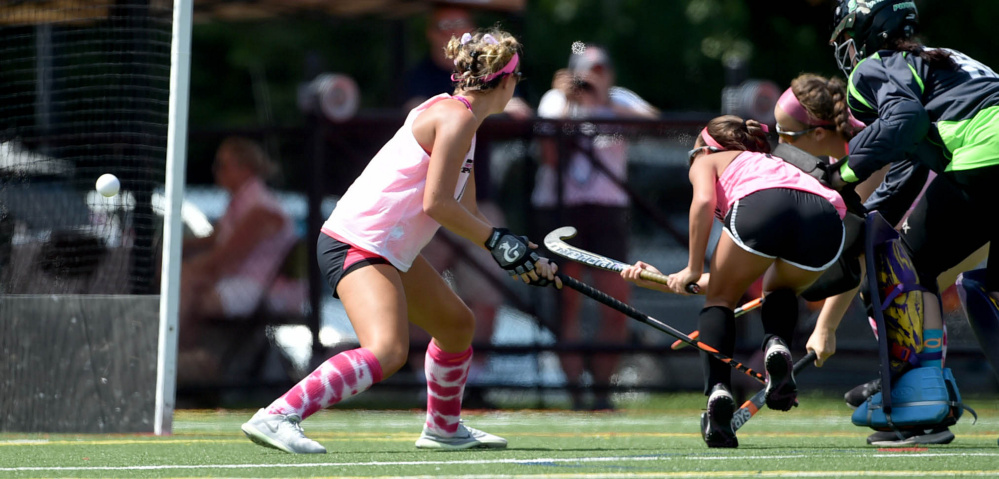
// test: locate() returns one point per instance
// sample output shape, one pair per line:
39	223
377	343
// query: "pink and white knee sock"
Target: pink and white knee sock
340	377
446	377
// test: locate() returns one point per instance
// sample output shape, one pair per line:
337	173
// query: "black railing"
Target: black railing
328	156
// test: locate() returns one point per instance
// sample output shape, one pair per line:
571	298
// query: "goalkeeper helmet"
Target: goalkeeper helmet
866	26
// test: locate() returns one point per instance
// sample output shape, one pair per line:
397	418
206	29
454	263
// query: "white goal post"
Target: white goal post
180	75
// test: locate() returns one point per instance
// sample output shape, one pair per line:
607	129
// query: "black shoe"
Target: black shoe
782	392
716	422
936	435
856	396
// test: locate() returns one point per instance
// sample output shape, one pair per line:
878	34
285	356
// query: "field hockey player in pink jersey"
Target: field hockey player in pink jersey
370	247
780	223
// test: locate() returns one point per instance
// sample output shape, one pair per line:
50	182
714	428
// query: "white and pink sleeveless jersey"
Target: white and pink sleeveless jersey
382	211
751	172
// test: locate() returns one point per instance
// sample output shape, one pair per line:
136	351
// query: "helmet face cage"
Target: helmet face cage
844	60
845	18
870	27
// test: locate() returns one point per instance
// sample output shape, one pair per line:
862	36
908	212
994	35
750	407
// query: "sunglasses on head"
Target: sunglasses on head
795	134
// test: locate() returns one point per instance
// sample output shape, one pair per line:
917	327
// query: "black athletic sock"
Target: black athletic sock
780	315
717	329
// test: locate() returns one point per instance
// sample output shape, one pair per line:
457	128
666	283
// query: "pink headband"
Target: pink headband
857	124
710	141
509	68
790	104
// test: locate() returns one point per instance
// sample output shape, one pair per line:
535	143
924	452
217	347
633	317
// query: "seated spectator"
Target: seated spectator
226	275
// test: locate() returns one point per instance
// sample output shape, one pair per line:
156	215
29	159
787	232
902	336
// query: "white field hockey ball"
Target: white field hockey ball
108	185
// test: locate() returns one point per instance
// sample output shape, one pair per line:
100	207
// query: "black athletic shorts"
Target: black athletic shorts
337	259
947	224
801	228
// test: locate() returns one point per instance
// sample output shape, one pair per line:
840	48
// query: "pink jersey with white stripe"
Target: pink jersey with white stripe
751	172
382	211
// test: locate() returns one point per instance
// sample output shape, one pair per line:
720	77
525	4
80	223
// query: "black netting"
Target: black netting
84	89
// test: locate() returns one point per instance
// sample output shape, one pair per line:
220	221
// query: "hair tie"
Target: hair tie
763	126
489	39
465	38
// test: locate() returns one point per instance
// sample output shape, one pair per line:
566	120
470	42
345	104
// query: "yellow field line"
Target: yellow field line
408	436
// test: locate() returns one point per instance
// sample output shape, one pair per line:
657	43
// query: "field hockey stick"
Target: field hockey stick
753	405
555	242
619	305
745	308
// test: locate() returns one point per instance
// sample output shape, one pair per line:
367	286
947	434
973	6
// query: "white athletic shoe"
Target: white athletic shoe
465	438
282	432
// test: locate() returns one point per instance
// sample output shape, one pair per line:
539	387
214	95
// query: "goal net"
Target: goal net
84	91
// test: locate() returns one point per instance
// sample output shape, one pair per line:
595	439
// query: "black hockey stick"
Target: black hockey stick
655	323
741	310
755	403
555	243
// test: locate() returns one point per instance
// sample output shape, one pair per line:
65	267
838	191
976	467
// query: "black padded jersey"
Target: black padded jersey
901	97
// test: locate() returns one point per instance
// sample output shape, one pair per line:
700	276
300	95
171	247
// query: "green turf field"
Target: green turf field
651	437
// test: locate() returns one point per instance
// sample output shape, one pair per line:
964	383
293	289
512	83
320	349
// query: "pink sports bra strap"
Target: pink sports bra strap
463	100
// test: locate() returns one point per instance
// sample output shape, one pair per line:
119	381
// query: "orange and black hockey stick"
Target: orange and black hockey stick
629	310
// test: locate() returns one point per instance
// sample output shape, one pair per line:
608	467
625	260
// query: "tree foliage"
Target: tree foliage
671	52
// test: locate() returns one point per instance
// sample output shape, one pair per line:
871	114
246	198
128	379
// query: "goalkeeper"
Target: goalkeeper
947	128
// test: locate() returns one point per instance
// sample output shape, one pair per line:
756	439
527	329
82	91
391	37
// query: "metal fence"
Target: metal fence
524	350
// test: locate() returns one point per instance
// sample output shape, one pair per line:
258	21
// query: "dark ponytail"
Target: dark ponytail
934	57
734	133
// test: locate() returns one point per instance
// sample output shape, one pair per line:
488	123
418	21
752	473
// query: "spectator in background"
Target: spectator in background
433	74
592	201
226	274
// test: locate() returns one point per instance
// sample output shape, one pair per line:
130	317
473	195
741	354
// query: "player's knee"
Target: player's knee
391	356
455	328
